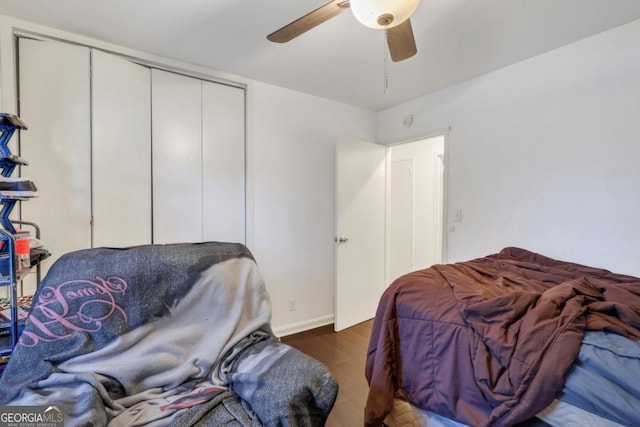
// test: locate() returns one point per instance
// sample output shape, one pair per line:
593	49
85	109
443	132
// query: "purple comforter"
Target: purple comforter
488	342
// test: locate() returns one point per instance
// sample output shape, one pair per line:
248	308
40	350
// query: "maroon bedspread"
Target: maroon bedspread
488	342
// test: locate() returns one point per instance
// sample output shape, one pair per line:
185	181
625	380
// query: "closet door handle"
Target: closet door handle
341	239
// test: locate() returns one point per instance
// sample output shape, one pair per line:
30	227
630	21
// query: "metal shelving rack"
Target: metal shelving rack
11	271
10	279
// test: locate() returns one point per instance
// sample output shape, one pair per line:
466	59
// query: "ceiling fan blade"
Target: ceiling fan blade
402	44
309	21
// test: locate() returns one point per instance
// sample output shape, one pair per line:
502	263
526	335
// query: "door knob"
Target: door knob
341	239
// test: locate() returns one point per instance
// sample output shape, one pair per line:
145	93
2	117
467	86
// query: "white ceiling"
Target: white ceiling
340	59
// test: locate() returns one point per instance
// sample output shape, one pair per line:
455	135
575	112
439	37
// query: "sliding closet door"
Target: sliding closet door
54	91
121	110
223	162
177	158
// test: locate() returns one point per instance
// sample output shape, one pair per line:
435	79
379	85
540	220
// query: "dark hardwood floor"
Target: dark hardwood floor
344	354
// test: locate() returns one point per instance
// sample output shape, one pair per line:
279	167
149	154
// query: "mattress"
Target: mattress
558	414
493	341
603	380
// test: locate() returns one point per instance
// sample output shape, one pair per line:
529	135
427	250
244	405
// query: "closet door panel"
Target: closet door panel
121	152
223	151
177	158
54	90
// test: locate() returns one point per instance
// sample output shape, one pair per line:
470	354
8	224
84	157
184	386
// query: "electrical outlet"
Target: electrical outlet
292	304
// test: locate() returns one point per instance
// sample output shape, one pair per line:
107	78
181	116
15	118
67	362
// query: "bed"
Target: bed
162	335
506	339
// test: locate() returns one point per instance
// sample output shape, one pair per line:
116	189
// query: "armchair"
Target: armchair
161	335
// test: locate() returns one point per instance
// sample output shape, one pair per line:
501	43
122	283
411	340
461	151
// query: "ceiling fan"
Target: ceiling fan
389	15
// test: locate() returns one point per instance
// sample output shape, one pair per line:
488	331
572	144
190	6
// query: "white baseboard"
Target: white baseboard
294	328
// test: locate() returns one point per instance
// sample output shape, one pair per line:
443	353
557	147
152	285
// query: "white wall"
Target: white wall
292	151
543	154
290	177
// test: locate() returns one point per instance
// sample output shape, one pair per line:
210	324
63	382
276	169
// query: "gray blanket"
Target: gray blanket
153	335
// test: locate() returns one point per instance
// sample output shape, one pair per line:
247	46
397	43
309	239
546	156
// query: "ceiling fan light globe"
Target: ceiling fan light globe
367	12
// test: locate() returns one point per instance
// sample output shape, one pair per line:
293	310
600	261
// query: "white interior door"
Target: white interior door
415	206
401	221
54	90
223	175
177	158
360	235
121	110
